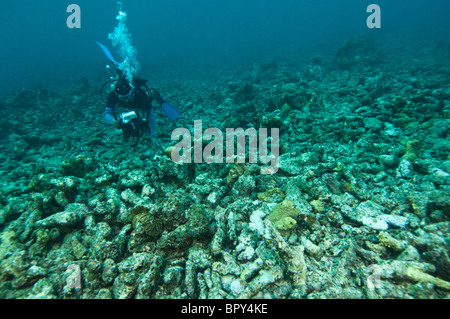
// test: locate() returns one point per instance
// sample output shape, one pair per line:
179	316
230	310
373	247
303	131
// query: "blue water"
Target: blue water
37	47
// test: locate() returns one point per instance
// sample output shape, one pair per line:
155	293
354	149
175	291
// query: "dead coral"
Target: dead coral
146	222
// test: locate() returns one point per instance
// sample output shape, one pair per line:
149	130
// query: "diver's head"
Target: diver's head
124	91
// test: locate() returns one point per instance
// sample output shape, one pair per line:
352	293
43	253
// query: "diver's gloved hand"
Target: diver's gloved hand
109	117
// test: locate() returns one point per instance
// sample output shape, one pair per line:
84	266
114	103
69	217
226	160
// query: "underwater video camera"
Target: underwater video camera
131	124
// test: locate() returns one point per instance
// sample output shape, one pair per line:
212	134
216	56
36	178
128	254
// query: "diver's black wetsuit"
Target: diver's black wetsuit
141	101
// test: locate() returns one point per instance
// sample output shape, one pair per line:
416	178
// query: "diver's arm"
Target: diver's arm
152	122
109	115
109	108
148	98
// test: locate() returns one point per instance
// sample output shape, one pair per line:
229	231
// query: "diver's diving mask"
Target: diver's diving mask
125	98
124	92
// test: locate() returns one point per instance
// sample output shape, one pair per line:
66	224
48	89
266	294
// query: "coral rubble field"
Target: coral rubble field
359	207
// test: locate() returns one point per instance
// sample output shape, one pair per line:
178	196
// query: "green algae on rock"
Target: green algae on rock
283	216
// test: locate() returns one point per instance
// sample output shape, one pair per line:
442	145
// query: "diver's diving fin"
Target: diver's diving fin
108	55
170	111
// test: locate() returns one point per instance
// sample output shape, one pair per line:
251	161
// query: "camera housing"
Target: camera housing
131	125
127	117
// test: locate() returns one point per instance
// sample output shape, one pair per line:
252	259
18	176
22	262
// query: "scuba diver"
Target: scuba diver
129	90
138	99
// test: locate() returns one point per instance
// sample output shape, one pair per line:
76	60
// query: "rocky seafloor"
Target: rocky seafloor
359	207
